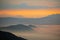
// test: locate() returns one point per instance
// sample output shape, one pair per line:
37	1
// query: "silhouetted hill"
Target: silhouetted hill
51	19
19	27
9	36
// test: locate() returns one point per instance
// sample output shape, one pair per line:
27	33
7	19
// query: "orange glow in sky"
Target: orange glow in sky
29	13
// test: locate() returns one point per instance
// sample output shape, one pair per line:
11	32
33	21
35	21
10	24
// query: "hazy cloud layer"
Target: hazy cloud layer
29	4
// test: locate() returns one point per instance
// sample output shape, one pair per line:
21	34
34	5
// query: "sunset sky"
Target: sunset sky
29	8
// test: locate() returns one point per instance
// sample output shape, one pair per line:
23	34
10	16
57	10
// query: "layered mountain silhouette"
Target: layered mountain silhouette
50	20
9	36
19	27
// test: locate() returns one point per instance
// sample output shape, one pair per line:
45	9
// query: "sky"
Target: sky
29	8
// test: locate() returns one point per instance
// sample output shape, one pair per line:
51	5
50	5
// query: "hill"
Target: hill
9	36
48	20
19	27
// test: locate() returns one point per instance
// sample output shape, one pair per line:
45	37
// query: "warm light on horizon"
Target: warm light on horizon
29	13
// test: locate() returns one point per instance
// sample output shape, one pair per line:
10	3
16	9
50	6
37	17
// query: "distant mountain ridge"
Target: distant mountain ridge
49	20
19	27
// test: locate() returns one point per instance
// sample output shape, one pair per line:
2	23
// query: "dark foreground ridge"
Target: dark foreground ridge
9	36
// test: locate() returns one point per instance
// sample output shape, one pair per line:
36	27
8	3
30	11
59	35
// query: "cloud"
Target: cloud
29	4
26	6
